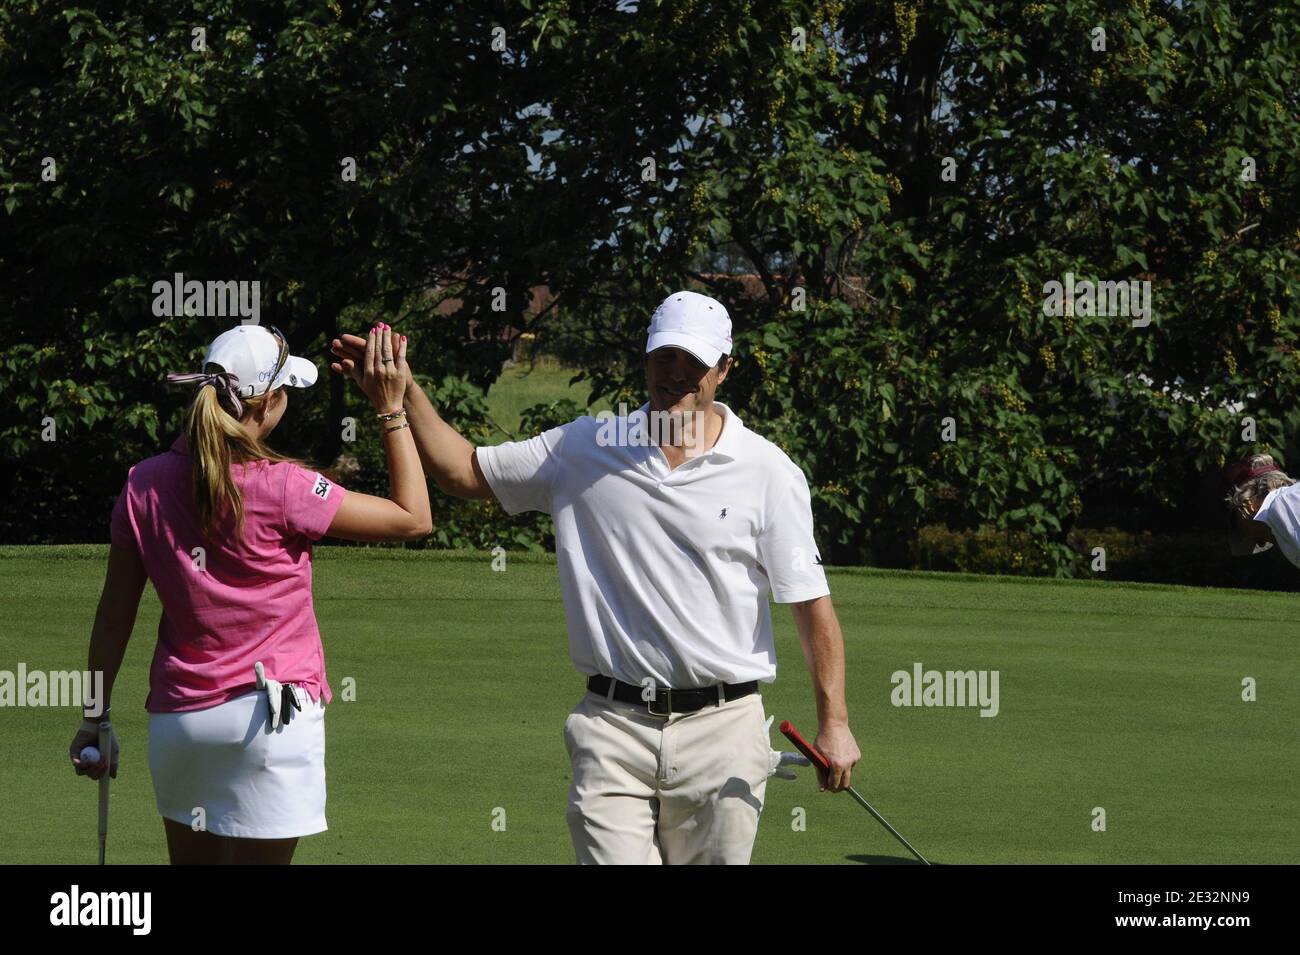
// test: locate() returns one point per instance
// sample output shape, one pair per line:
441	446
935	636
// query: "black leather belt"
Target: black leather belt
664	701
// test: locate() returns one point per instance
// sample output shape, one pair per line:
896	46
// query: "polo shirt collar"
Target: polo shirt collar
728	443
1266	505
180	445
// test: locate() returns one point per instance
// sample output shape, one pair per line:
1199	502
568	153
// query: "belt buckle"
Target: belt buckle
667	696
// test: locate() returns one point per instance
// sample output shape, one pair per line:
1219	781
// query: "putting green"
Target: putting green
1119	696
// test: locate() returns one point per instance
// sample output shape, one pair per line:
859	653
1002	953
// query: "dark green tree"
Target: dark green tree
880	192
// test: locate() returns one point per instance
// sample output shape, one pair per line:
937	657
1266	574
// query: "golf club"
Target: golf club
812	753
106	749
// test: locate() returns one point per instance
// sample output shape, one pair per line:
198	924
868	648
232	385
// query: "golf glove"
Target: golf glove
280	698
777	759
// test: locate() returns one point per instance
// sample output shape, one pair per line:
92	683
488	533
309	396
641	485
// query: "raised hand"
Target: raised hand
350	350
381	371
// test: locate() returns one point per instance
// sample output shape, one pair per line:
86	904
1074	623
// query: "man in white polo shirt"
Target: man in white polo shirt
672	526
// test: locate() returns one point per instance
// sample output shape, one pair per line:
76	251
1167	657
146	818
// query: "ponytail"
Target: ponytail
218	439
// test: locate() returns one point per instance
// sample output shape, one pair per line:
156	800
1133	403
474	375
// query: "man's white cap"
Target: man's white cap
693	322
252	353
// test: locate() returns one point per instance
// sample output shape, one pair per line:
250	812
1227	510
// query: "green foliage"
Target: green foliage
548	414
885	298
522	385
481	525
821	174
981	550
226	163
1192	558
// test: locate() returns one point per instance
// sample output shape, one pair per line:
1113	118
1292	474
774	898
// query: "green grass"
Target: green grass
522	386
1126	697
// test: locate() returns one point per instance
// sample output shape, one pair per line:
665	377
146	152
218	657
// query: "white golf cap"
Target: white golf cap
693	322
252	354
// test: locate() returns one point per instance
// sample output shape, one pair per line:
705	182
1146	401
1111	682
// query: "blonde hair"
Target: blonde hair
1244	499
218	439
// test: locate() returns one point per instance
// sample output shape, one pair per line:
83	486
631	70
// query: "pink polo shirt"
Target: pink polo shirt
242	599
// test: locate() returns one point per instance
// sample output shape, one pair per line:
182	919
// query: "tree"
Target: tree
903	182
219	140
918	173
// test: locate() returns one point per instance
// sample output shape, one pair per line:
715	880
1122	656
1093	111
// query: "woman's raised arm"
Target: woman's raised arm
404	514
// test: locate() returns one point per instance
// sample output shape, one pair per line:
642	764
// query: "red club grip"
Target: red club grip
804	746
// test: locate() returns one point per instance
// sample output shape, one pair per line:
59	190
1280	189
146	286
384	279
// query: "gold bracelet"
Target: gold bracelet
399	427
389	416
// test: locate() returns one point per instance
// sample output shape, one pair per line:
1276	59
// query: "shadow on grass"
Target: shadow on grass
888	860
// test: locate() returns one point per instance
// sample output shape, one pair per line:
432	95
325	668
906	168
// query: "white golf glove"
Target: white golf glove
777	759
281	699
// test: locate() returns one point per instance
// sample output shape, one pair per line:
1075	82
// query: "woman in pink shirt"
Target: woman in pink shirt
223	528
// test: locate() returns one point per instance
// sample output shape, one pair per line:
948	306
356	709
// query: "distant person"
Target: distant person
223	528
673	525
1263	508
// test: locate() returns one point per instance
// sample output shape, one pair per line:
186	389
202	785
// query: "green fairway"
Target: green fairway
1125	697
523	385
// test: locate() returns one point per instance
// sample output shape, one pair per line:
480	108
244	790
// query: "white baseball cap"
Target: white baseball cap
259	359
693	322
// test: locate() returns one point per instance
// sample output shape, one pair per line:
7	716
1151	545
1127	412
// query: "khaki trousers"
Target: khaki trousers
683	789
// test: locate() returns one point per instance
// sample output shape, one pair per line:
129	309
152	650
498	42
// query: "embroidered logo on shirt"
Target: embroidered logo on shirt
723	514
322	488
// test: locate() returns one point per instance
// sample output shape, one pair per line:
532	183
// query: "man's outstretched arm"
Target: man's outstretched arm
446	456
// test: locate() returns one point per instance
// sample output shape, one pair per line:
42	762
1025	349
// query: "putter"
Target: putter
106	750
818	759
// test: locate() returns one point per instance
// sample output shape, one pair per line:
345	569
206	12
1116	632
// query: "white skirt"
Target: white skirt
224	767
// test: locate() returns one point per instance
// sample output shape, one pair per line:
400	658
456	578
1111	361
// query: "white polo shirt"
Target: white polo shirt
666	572
1281	512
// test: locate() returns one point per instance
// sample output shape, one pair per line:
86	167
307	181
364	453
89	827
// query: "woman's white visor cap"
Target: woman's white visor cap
693	322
